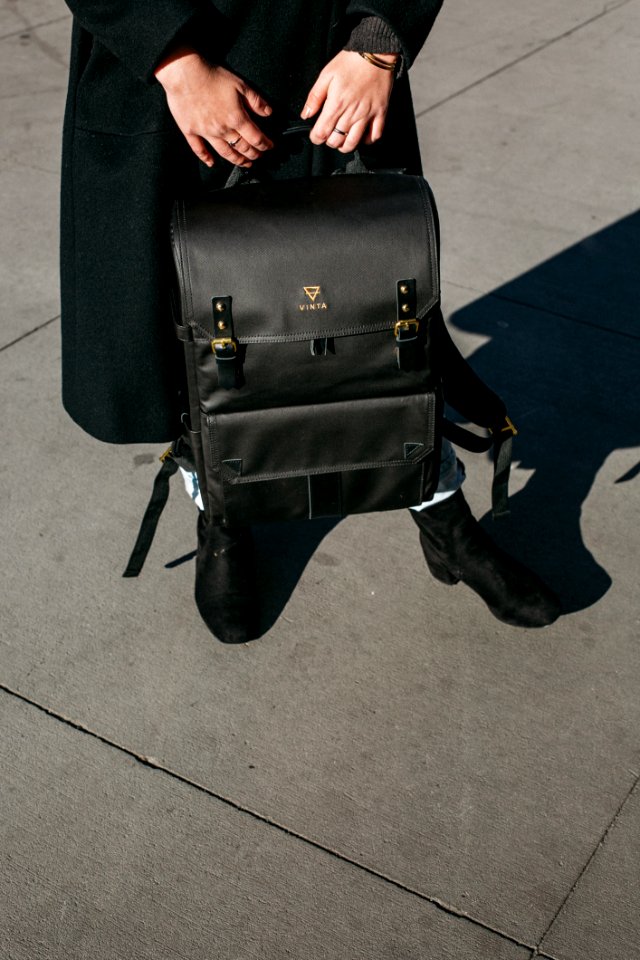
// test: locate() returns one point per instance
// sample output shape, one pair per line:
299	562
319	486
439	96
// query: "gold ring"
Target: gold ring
341	132
232	143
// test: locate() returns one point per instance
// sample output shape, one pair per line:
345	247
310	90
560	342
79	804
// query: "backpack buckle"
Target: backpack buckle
509	427
223	344
406	326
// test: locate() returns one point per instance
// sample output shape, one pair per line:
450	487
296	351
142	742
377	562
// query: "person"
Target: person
165	97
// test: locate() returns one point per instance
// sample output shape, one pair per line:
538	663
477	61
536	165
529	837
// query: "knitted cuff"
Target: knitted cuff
373	35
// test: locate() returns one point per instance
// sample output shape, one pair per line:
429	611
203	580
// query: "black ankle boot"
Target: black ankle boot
226	594
456	549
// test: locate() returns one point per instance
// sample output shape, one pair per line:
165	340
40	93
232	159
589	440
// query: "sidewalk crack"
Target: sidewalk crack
586	867
28	27
28	333
155	764
525	56
561	316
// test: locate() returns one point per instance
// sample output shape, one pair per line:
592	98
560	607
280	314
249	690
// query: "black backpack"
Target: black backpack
318	362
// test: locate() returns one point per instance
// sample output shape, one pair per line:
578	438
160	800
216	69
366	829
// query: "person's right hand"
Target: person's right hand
209	105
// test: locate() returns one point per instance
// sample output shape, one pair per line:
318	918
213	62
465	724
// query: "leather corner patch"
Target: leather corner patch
412	451
233	466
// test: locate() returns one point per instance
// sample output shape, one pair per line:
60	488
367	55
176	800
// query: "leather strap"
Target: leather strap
225	345
407	328
149	525
501	442
244	175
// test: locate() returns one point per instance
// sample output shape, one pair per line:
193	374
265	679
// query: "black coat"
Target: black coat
124	161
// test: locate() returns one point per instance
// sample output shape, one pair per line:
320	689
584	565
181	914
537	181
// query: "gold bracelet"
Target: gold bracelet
378	61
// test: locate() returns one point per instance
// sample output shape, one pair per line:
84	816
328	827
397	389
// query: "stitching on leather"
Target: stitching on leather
430	236
216	458
429	413
177	248
303	336
336	468
182	217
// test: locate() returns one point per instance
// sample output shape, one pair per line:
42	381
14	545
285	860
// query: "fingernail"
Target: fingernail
306	113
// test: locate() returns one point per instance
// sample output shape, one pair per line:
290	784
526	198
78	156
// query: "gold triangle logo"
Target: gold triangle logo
312	293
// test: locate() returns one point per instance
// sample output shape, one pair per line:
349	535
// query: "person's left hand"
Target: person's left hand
353	97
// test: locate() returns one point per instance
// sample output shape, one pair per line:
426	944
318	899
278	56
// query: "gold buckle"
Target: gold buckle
405	325
165	455
224	342
509	428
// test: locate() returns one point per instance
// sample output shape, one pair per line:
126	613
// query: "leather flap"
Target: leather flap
306	259
324	438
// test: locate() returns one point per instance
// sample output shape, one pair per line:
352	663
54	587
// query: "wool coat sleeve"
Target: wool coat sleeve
410	20
139	32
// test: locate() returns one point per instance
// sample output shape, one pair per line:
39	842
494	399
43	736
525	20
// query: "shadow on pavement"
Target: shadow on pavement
563	353
283	550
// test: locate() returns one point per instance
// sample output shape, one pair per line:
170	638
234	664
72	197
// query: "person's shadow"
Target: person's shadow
563	353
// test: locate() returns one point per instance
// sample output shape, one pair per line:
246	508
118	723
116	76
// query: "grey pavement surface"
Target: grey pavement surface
388	772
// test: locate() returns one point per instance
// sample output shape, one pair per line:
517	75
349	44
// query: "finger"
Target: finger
377	128
256	102
200	149
252	135
339	133
240	145
354	136
367	136
333	115
316	97
229	153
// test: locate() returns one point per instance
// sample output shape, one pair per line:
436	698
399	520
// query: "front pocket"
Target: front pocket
323	459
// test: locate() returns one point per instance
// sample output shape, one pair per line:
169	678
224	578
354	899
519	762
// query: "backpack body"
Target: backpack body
308	312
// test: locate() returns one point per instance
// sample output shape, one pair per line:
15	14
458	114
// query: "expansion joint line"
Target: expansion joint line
560	316
30	27
601	842
155	764
28	333
525	56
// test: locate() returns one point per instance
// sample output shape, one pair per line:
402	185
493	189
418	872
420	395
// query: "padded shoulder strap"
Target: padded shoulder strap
463	388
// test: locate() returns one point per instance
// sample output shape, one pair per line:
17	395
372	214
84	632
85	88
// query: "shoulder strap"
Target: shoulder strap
470	396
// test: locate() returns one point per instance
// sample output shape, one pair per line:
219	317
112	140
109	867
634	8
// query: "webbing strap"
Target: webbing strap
501	441
502	451
156	505
465	438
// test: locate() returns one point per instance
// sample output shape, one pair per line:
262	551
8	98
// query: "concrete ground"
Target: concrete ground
388	772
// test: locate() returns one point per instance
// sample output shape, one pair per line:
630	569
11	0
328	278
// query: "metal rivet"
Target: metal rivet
404	288
220	306
406	308
222	324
